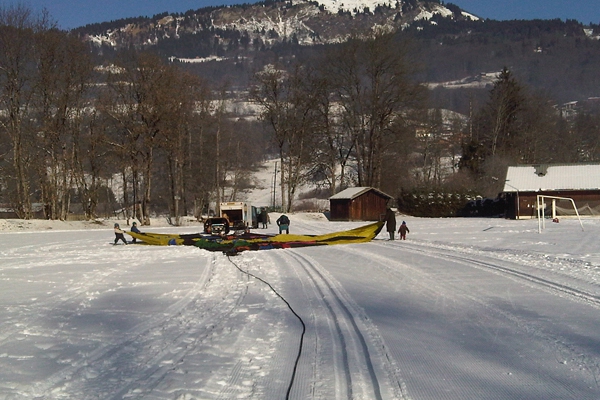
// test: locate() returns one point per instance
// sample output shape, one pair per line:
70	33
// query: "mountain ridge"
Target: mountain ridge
269	23
229	43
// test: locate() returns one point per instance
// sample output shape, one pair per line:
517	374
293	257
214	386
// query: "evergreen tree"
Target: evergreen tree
502	113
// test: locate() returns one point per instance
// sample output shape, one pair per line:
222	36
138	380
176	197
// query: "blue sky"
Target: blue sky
74	13
585	11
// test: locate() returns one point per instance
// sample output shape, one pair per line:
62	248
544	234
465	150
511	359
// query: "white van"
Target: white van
241	215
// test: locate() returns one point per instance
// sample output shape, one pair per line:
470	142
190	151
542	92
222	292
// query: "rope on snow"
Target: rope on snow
287	396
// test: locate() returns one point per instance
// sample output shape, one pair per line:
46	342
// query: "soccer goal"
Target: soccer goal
541	209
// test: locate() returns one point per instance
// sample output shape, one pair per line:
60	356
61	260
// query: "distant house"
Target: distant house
8	211
524	183
358	204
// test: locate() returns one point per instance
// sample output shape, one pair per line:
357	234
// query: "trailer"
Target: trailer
241	215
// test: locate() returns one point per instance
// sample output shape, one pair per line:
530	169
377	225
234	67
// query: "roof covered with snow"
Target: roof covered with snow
354	192
539	177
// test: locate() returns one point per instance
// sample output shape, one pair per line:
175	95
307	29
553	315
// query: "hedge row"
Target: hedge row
439	203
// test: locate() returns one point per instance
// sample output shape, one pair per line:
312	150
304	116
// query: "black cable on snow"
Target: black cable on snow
289	389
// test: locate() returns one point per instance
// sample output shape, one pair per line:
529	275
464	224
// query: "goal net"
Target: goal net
567	203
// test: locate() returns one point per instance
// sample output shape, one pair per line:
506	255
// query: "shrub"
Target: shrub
435	203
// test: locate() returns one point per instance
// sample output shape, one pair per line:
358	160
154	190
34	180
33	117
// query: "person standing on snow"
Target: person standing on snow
403	230
134	229
284	224
119	234
390	222
264	218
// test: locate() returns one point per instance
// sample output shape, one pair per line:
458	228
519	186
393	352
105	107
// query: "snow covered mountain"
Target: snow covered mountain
251	27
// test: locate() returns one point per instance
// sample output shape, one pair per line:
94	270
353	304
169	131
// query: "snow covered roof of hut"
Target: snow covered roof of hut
352	193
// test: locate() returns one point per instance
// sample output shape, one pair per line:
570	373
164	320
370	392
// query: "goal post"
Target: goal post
541	209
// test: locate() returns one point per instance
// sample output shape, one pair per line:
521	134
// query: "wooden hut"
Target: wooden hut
580	182
358	204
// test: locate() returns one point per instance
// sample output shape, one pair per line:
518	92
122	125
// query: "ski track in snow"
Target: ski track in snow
416	319
133	350
516	271
445	292
161	355
338	336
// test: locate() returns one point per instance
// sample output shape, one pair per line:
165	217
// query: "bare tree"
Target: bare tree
199	182
269	92
540	139
140	87
334	144
586	137
90	158
64	72
375	89
219	114
289	110
18	29
179	133
431	140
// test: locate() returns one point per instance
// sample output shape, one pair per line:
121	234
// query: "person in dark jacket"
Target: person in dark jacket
264	217
134	229
390	222
403	230
119	234
283	223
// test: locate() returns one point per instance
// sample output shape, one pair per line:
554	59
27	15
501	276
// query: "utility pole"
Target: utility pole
275	185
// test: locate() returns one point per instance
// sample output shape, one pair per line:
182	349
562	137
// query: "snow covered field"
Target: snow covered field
463	309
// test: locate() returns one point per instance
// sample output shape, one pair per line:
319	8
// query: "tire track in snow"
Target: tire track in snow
354	369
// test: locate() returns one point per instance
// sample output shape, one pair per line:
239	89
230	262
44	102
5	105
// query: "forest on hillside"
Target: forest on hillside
90	134
557	56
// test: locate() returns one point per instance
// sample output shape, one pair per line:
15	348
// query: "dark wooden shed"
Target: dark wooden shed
358	204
